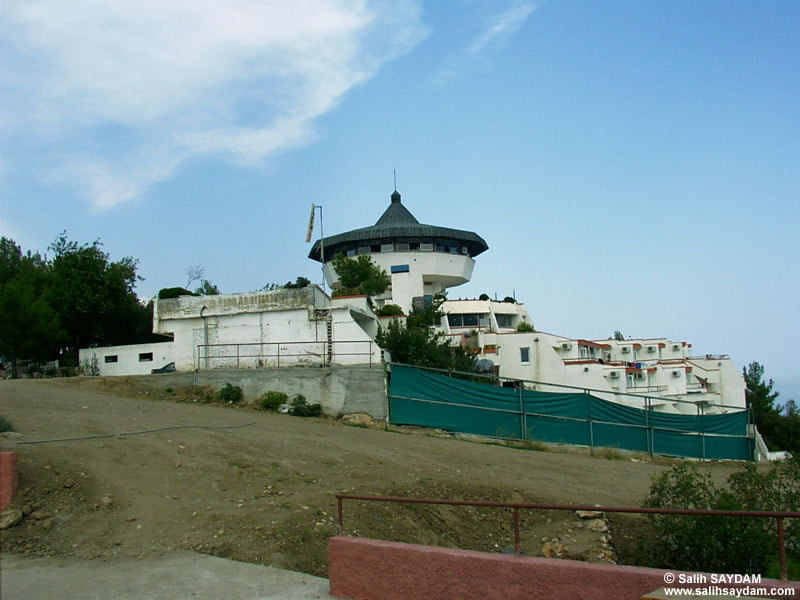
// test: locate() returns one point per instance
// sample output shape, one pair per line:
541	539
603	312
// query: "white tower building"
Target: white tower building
422	260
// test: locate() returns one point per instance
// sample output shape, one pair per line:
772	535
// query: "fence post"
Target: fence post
651	436
702	411
522	423
237	355
591	427
517	549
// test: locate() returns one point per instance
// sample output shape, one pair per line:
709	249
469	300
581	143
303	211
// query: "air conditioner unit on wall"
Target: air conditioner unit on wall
676	373
464	250
613	375
651	348
566	346
676	347
626	349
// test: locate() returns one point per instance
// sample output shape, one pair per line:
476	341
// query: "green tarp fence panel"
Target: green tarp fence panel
424	398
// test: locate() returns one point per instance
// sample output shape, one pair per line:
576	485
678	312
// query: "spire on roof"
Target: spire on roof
396	215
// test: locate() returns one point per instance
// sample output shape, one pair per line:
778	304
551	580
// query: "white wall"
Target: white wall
438	270
128	358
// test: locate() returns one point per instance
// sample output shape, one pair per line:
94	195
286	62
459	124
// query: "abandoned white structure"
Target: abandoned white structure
306	327
282	327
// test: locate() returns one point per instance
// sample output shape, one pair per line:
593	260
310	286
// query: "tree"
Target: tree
207	289
429	316
10	259
417	343
94	297
194	273
299	283
786	435
693	543
760	400
423	347
618	336
30	326
360	274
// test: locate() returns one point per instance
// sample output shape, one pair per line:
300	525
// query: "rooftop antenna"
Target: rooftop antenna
395	179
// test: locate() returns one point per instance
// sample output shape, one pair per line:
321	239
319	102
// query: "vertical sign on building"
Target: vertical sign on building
310	223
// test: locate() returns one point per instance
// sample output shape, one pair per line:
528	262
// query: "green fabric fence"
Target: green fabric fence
424	398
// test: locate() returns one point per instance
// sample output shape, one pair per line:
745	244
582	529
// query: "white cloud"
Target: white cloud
506	23
121	93
498	28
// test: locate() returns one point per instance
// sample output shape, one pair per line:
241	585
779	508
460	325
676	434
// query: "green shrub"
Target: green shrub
5	425
230	393
301	407
299	283
174	292
525	326
272	400
390	310
342	291
722	544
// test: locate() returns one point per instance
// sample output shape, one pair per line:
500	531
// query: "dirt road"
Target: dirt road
263	493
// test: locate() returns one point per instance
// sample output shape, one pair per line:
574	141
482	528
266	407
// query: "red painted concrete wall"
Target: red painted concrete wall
9	479
366	569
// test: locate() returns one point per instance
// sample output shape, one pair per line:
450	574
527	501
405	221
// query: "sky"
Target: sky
633	166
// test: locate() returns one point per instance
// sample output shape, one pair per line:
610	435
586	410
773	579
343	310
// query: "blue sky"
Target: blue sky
632	165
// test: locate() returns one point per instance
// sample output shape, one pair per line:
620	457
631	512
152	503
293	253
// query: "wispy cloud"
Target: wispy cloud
121	93
495	30
503	24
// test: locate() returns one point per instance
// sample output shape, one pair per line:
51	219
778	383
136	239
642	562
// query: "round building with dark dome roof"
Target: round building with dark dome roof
422	260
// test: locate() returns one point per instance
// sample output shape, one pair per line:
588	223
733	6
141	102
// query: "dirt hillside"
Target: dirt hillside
263	492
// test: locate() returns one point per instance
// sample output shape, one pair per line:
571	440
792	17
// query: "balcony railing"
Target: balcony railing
278	354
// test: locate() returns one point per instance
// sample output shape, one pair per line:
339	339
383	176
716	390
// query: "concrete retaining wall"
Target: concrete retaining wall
339	389
9	478
363	569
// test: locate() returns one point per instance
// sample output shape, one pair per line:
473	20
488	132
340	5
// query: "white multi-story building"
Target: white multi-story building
306	326
625	371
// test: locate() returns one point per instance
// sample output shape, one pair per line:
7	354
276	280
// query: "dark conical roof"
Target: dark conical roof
396	223
396	214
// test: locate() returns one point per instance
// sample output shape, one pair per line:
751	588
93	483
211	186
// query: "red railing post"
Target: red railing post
341	517
782	550
516	531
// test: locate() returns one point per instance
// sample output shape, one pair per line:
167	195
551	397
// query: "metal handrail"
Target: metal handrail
779	516
327	350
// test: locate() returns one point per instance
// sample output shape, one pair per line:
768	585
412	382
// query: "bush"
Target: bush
230	393
390	310
5	425
722	544
174	292
525	326
299	283
341	292
272	400
301	408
